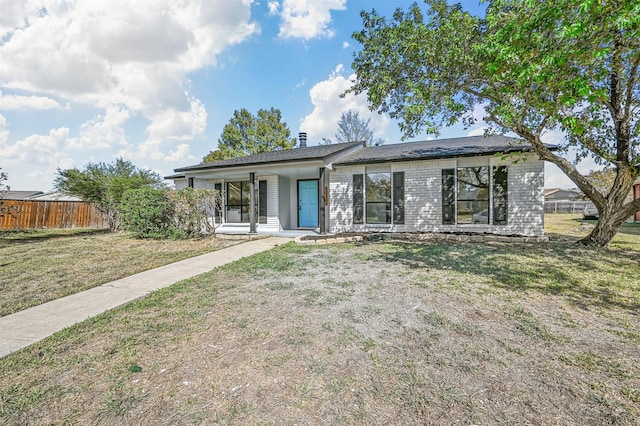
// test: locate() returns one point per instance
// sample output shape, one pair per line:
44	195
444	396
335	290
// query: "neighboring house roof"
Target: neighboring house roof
561	194
441	148
55	196
21	195
319	152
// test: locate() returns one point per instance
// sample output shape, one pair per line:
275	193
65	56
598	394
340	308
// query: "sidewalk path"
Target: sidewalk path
23	328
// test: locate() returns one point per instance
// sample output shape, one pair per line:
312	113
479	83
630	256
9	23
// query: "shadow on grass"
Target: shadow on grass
586	277
25	236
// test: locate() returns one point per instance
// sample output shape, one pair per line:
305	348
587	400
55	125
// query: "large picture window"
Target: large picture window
381	196
378	197
238	202
473	195
468	192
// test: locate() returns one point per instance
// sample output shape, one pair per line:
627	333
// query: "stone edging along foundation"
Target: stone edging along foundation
407	236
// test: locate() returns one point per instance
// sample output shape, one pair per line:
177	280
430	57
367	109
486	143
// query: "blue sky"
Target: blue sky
154	82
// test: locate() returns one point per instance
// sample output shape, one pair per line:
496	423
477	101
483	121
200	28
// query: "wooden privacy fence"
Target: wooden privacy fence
24	214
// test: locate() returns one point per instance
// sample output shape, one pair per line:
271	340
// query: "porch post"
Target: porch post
322	202
252	203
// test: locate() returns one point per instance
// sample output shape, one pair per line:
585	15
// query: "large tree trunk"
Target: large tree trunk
609	221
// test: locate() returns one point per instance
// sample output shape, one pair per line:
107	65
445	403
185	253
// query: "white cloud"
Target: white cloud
181	153
15	102
12	16
173	124
166	128
4	133
480	126
478	131
308	19
273	7
329	106
102	132
301	83
45	152
117	56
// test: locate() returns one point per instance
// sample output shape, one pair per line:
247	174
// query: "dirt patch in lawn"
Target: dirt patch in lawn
372	333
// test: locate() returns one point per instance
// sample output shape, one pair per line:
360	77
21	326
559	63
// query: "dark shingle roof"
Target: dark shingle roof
289	155
441	148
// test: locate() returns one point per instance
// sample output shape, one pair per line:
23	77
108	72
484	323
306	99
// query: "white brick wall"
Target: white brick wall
272	203
180	183
272	197
423	198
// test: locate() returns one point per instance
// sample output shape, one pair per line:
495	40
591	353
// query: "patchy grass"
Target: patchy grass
43	265
572	227
374	333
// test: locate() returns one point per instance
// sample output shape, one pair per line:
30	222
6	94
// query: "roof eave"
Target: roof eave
435	157
210	166
205	167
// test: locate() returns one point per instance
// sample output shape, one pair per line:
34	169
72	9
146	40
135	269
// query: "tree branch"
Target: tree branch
479	94
546	154
630	208
542	126
630	83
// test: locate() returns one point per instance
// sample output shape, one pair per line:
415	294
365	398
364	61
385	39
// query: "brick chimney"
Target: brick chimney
302	138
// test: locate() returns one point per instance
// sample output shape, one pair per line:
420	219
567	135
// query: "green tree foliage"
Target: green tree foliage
197	211
162	213
535	66
352	128
148	213
104	185
246	134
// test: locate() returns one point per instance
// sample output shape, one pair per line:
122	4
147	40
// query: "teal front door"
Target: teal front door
308	203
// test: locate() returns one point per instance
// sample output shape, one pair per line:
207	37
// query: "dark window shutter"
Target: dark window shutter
262	201
217	213
358	198
398	197
500	179
448	196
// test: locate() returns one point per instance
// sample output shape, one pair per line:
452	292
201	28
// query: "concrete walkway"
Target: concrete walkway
31	325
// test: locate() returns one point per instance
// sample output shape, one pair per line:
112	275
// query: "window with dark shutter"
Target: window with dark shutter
500	175
398	197
190	182
262	201
217	213
448	196
358	198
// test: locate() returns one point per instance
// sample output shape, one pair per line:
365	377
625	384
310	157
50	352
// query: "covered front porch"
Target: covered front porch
263	200
275	191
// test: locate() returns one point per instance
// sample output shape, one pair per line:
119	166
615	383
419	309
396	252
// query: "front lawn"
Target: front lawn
372	333
571	227
42	265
